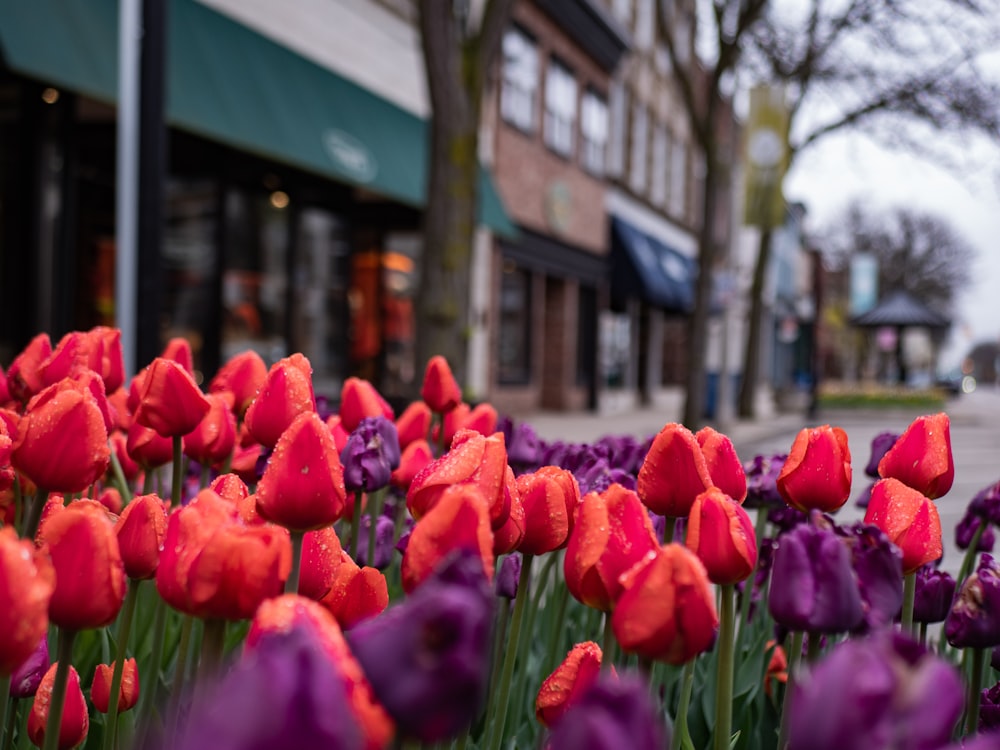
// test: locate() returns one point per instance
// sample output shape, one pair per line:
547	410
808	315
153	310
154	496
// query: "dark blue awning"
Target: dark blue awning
642	265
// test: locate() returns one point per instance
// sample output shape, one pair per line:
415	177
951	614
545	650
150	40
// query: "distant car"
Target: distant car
955	383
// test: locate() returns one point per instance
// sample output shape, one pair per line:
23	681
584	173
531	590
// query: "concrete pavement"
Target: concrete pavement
975	436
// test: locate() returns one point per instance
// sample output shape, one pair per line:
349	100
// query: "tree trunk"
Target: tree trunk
694	383
751	355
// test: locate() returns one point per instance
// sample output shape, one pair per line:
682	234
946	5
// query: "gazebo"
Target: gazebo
901	310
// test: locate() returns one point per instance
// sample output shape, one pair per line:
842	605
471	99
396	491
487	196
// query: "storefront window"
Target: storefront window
515	326
616	340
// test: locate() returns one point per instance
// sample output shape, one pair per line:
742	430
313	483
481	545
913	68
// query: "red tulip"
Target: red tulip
90	575
611	533
817	472
482	418
724	465
340	435
413	424
69	358
303	485
128	691
287	391
568	682
213	440
472	459
356	593
119	444
178	350
284	613
666	611
359	399
909	519
440	390
147	448
721	533
141	530
673	473
230	487
921	457
320	559
550	496
508	537
243	375
458	520
75	719
106	357
451	423
111	499
62	441
24	377
170	402
414	458
213	565
27	581
118	405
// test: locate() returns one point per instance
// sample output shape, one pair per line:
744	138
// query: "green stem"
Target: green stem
148	481
4	701
356	525
8	740
34	515
760	529
18	504
125	628
813	646
979	656
375	512
681	734
503	617
148	698
180	668
64	653
607	644
552	653
175	487
794	656
212	644
119	477
923	634
668	529
724	683
292	584
969	560
496	736
909	592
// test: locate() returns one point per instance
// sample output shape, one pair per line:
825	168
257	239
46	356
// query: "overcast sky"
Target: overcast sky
842	169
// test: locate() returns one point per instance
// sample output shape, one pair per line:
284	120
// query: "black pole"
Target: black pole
152	178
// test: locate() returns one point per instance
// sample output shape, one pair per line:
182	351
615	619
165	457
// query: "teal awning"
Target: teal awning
230	84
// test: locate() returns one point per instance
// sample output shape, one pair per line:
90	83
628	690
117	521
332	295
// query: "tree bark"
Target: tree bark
746	408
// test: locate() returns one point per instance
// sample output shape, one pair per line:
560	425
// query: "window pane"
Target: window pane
515	319
640	135
594	132
520	79
560	108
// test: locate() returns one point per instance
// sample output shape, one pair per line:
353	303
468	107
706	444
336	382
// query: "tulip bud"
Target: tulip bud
213	440
170	403
140	531
27	677
128	691
673	473
817	473
762	481
440	390
934	594
508	576
242	375
974	619
549	496
568	682
371	455
482	418
359	399
878	565
24	377
721	533
27	581
909	519
881	444
287	392
414	423
922	458
415	456
723	464
75	719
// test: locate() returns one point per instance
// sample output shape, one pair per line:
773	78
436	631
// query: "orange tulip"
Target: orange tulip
128	691
243	375
303	484
75	718
413	424
721	533
921	458
458	520
24	377
909	519
451	423
817	472
568	682
90	575
213	565
508	537
472	459
550	496
673	473
482	418
284	613
141	530
356	593
320	559
724	465
62	440
170	402
287	391
359	399
414	458
440	390
611	533
27	581
213	440
666	611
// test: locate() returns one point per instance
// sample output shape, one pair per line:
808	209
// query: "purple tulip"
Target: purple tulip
865	496
881	444
599	475
974	619
986	504
813	585
876	692
370	455
786	518
508	576
966	530
26	678
285	695
613	713
524	447
427	657
934	593
384	530
878	564
762	481
989	708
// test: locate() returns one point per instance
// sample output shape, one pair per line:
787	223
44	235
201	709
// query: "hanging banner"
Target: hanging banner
863	283
766	156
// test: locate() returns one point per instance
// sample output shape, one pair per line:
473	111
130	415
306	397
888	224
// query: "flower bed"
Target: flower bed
242	568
